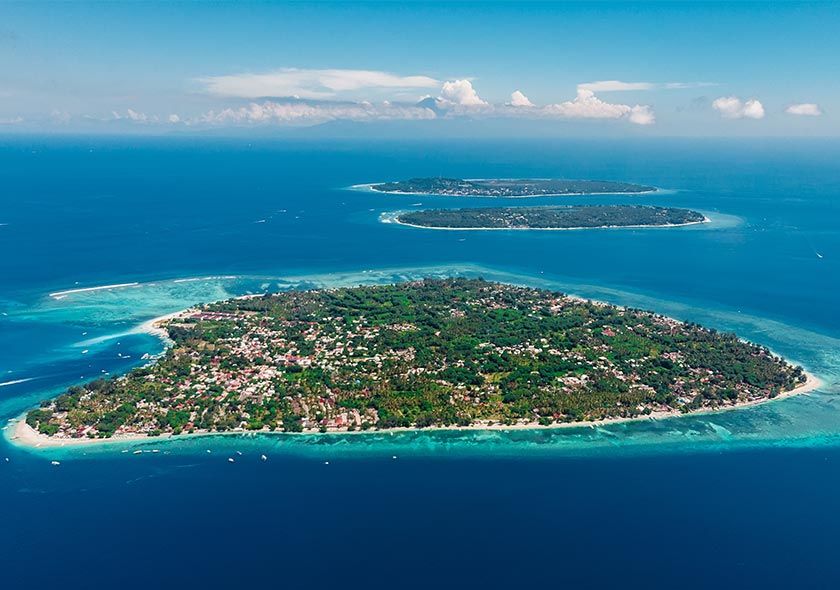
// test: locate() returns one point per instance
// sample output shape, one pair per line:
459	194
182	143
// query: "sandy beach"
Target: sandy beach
396	220
370	187
25	436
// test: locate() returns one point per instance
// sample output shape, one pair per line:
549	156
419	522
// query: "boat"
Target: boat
230	459
263	457
55	462
137	453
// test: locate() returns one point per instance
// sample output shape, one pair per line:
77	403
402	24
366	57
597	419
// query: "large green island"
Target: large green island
552	217
434	353
508	187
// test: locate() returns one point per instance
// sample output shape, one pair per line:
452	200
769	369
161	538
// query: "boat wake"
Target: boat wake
16	381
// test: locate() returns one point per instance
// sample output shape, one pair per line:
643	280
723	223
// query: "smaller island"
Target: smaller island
508	187
553	217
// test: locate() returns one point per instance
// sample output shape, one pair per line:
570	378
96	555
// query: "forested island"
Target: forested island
433	353
508	187
552	217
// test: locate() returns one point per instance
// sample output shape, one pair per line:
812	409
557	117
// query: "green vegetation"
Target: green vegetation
559	217
508	187
431	353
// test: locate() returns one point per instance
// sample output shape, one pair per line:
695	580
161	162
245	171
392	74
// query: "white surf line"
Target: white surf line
60	294
16	381
211	278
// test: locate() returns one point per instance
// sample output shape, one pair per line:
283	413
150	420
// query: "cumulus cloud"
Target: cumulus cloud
457	98
307	113
806	109
11	120
517	99
310	84
173	118
588	106
641	115
461	92
130	115
732	107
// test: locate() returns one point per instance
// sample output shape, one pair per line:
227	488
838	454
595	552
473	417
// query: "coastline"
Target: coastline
25	436
396	220
370	188
22	435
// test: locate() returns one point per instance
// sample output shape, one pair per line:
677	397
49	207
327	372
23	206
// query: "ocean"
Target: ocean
99	235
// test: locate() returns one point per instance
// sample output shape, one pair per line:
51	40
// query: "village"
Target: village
434	353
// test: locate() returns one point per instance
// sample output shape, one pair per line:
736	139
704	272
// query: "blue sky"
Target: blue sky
610	69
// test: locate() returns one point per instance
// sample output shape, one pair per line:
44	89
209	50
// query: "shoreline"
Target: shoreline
24	436
396	221
370	188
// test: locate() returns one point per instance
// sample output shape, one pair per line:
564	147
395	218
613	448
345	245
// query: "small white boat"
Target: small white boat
230	459
85	351
137	453
55	462
263	457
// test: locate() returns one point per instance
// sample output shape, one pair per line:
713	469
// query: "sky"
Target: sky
605	69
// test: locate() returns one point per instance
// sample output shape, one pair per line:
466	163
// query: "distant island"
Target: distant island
434	353
552	217
508	187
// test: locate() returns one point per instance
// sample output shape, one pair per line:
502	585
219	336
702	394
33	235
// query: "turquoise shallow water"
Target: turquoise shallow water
187	221
113	318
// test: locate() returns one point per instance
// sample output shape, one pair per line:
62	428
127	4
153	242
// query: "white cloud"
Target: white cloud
135	116
807	109
306	113
753	109
461	92
130	115
731	107
614	86
173	118
618	85
310	84
588	106
641	115
517	99
684	85
11	120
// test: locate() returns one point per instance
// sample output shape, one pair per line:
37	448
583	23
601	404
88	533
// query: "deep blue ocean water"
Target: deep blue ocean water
737	499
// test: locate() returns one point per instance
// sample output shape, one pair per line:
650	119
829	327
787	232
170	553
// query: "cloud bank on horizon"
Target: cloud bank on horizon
295	96
301	97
